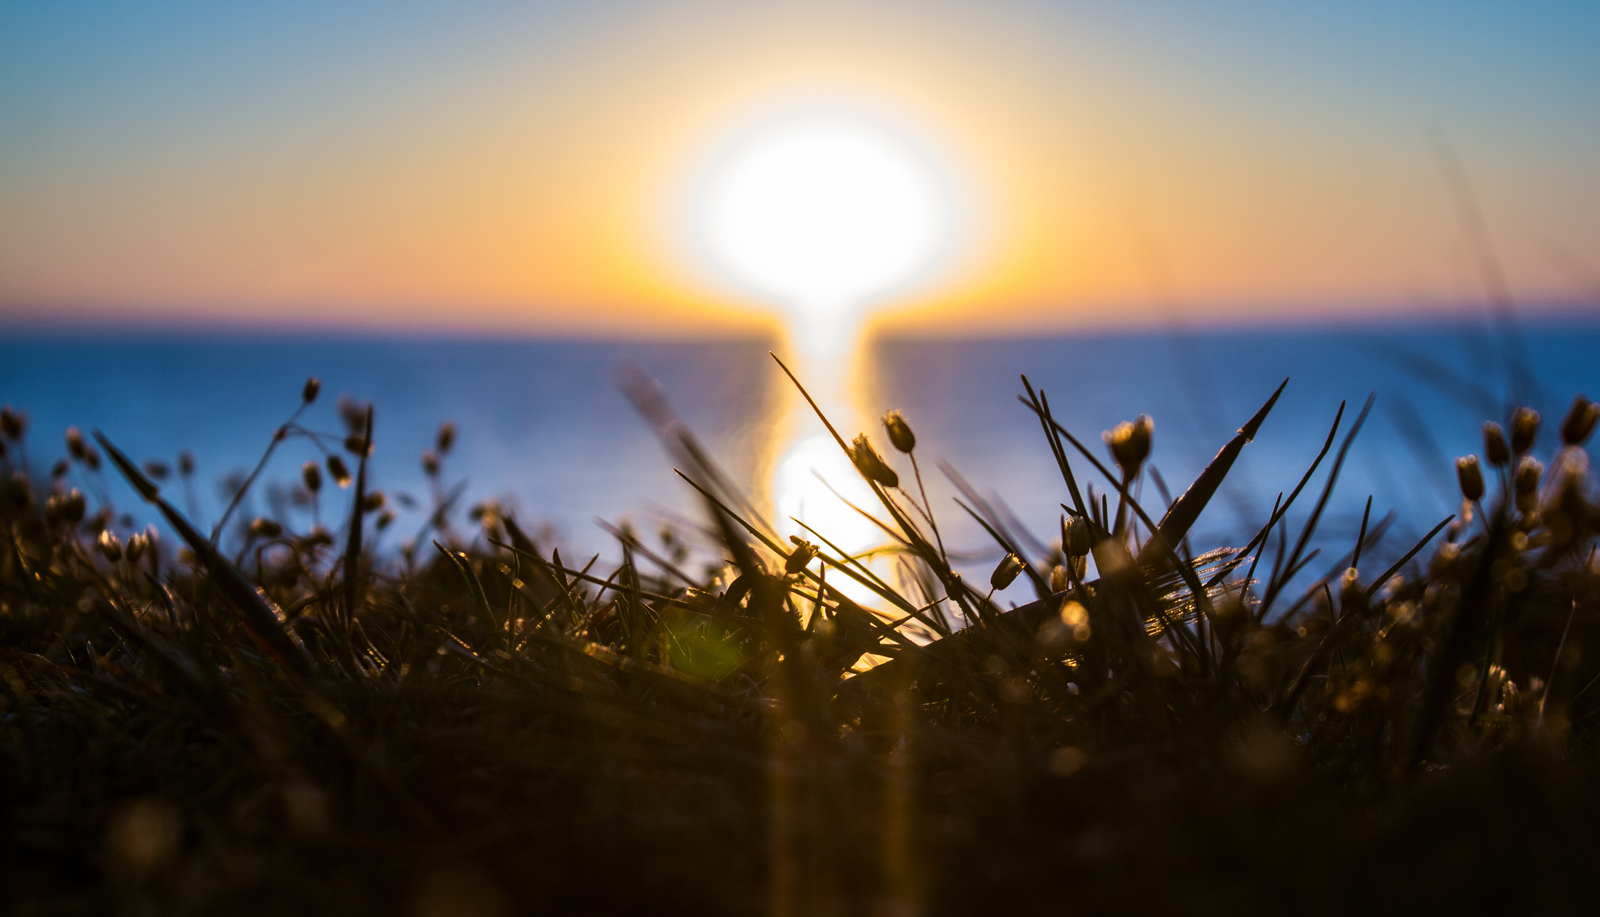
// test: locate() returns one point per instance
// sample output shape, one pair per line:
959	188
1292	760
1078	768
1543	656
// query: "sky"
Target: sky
524	167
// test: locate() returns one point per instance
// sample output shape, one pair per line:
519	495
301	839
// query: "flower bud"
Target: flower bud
137	542
1524	427
804	552
1058	579
899	432
1529	471
1130	443
1074	536
60	468
446	437
870	465
264	527
186	463
13	423
1470	476
373	502
308	394
157	470
385	519
109	546
430	463
356	443
311	474
336	468
1006	572
1494	445
1580	422
76	447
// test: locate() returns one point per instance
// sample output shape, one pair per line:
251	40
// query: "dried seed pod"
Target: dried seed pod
373	502
13	423
1130	443
1005	573
446	437
186	463
1470	476
385	519
309	392
337	469
430	463
311	474
356	443
804	552
264	527
1524	428
871	466
60	468
109	545
1075	539
1529	471
1058	579
353	413
1580	421
1495	448
76	447
157	470
899	432
137	542
91	458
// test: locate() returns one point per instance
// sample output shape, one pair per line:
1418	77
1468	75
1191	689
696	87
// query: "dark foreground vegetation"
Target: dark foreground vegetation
286	721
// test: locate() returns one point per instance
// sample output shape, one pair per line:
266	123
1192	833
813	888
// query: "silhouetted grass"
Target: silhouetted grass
266	719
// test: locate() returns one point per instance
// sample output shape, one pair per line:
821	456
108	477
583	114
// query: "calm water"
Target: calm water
544	428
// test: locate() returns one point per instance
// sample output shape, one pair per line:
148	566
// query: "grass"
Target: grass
266	719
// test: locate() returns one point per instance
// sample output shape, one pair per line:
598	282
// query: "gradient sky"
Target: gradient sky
494	165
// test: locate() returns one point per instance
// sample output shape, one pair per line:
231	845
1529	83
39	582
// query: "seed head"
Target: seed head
1058	579
1524	427
157	470
264	527
73	506
373	502
336	468
13	423
1130	443
76	447
1529	471
1006	572
804	552
186	463
308	394
137	542
870	465
356	443
385	519
353	413
1494	445
899	432
1470	476
446	437
311	474
1580	422
1074	536
109	546
430	462
60	468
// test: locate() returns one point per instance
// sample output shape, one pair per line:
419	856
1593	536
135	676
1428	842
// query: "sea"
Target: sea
544	427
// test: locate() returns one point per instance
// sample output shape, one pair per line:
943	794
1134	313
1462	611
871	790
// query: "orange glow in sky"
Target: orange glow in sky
529	176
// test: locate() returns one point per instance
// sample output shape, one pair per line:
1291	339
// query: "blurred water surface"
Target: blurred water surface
544	428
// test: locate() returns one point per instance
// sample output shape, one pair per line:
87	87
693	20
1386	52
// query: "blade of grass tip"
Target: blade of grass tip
866	578
634	544
1258	543
807	396
261	618
1175	525
1361	537
352	550
1377	584
1274	588
1041	409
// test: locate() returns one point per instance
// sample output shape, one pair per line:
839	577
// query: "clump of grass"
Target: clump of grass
271	720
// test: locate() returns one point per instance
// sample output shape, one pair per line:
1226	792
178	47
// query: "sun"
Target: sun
825	212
